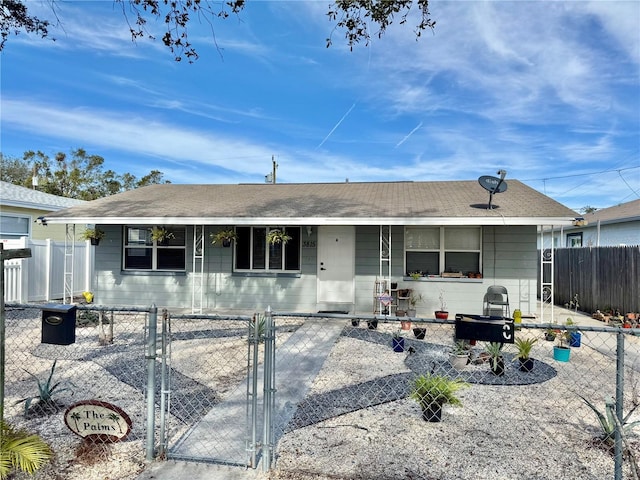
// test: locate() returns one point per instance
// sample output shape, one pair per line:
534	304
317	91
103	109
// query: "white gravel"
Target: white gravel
540	431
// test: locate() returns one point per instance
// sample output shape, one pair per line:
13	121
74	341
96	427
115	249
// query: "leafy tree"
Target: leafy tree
588	209
78	175
354	18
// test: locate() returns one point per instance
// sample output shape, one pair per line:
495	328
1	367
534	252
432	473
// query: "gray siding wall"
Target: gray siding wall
509	259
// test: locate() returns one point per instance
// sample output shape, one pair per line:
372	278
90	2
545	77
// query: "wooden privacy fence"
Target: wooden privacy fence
602	277
41	277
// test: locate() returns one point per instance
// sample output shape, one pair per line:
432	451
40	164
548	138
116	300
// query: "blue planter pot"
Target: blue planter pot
575	339
397	344
561	354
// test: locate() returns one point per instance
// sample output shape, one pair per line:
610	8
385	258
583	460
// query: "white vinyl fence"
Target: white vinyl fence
41	277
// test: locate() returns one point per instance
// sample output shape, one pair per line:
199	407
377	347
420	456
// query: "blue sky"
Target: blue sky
549	91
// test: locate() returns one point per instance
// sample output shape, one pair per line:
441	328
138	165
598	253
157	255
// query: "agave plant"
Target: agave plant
20	450
608	422
46	403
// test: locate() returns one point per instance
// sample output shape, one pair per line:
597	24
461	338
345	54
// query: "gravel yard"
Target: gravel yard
356	421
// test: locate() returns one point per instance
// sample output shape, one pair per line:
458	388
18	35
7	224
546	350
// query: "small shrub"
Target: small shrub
46	403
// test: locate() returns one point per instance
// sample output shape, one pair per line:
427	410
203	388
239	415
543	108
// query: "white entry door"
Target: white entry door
336	265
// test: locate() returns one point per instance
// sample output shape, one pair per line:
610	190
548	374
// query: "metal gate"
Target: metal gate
213	391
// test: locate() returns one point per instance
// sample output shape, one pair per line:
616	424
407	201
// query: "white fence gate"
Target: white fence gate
41	277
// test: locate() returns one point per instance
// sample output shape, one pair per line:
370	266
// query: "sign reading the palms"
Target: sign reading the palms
98	421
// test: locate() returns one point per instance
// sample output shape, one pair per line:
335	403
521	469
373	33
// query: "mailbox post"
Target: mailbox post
58	324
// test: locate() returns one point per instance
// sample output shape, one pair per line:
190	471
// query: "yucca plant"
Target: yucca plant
524	346
21	450
608	422
46	403
260	321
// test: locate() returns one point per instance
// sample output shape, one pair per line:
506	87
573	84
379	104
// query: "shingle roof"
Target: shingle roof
623	212
17	196
336	203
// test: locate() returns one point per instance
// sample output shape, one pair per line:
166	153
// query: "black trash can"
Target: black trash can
58	324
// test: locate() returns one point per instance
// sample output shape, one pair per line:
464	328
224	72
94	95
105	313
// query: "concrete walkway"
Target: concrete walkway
221	434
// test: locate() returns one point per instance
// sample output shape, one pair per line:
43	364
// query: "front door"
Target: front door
336	266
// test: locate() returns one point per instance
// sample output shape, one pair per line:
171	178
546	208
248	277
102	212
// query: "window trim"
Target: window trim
15	235
442	250
572	236
154	247
267	271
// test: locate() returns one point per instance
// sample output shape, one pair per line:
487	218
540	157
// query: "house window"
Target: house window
574	240
253	253
14	226
141	252
433	250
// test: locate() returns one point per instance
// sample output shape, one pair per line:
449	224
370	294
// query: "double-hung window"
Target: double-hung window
433	250
142	252
254	253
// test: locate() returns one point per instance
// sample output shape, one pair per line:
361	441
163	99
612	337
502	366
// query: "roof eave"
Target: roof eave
454	221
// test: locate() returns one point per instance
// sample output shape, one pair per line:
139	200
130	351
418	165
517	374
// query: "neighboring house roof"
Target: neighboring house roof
388	203
16	196
624	212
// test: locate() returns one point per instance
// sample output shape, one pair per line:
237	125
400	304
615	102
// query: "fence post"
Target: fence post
619	406
151	380
269	387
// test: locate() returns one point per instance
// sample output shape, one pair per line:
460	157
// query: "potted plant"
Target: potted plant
94	235
419	332
550	334
442	314
161	235
562	352
276	236
414	299
397	342
496	360
524	353
433	391
224	237
459	354
574	337
415	275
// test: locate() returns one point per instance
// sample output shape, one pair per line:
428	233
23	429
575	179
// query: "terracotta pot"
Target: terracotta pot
442	315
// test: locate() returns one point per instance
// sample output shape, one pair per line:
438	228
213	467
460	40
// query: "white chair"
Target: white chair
496	302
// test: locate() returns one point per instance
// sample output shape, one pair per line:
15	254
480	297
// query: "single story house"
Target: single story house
348	243
609	227
21	207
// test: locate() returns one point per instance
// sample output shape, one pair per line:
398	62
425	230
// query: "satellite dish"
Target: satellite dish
493	185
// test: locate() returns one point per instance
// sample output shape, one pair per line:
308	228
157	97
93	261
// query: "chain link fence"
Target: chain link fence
97	361
328	396
357	417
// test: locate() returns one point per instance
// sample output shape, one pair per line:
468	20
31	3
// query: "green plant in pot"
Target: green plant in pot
561	351
433	391
496	360
277	235
94	235
459	354
161	235
524	346
224	237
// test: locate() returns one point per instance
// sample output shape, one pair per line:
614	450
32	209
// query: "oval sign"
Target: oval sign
490	183
98	421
